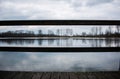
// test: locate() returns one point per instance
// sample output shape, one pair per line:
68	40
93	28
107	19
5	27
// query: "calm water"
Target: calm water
62	42
29	61
21	61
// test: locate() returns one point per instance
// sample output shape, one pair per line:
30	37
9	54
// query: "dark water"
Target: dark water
21	61
62	42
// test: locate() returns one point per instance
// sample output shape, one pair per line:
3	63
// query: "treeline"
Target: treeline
111	31
23	34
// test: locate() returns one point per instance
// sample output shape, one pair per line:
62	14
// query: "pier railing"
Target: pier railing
59	23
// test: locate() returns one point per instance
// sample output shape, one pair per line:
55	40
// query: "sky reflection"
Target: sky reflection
16	61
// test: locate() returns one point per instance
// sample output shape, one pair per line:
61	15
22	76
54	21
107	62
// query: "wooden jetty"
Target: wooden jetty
59	75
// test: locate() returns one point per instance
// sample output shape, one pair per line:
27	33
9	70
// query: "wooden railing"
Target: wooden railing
57	23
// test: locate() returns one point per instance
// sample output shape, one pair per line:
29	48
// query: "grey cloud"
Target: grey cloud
80	3
97	2
59	9
12	13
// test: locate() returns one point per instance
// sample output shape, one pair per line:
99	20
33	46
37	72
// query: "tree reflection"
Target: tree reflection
67	42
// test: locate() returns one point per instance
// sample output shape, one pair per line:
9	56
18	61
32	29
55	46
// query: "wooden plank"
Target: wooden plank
100	75
27	75
108	76
116	75
7	75
82	75
55	75
73	76
46	75
59	22
91	76
60	49
18	75
59	75
64	75
37	75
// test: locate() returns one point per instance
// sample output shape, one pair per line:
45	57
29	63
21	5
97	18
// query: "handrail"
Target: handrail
60	49
58	22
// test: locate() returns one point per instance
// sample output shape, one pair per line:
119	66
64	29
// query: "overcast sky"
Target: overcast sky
58	9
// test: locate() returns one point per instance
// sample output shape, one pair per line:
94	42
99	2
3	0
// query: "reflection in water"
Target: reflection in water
14	61
69	42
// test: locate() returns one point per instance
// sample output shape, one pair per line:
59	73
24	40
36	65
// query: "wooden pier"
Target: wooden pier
59	75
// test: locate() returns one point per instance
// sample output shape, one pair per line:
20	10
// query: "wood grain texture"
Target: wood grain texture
59	75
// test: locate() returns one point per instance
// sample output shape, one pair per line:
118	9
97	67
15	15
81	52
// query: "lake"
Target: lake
61	42
60	62
82	62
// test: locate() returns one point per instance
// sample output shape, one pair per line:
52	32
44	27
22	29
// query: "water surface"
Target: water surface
61	42
29	61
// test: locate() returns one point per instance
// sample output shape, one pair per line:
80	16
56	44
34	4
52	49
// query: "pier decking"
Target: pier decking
59	75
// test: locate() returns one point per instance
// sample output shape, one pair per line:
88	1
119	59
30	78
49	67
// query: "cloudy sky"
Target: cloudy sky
58	9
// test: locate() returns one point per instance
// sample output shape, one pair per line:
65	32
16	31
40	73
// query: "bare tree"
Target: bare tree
58	32
118	28
96	31
92	31
100	30
110	30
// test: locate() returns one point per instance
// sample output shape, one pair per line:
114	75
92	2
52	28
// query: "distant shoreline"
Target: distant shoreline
57	37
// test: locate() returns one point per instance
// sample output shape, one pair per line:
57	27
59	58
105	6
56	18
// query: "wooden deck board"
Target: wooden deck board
46	75
82	76
91	76
37	76
55	75
99	76
73	76
63	76
59	75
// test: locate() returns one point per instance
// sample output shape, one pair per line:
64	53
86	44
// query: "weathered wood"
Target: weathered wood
82	75
27	75
59	75
116	76
99	76
112	75
64	75
37	75
91	76
19	75
73	76
55	75
59	22
46	75
7	75
60	49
